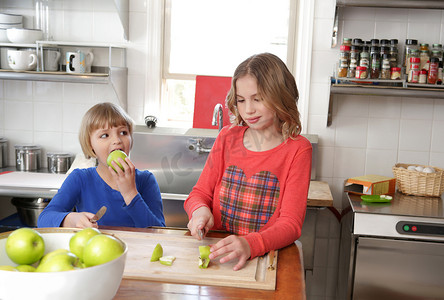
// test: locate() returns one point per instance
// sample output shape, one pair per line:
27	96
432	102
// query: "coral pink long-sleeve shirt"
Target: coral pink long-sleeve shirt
259	195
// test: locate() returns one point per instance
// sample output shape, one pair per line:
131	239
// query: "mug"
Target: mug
23	60
4	64
78	62
51	57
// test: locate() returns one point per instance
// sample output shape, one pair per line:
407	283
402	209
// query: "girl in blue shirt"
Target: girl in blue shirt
132	197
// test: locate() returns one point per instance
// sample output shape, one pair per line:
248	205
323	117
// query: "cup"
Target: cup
23	59
78	62
51	57
4	64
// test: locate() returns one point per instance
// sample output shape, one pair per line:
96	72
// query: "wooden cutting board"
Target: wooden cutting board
255	274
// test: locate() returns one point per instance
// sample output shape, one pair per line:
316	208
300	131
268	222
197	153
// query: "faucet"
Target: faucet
218	109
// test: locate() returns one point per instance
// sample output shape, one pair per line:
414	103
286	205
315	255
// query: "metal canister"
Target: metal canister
59	162
28	157
3	152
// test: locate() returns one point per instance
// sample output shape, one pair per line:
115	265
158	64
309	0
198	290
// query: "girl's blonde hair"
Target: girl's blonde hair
100	116
276	86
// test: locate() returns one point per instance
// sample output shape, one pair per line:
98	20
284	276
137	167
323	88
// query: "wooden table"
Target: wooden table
290	282
319	194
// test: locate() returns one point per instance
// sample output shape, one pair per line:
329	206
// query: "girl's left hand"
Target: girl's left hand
235	246
125	179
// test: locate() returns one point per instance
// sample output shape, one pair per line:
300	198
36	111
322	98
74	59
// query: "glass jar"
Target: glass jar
439	80
422	77
414	70
413	53
375	65
357	42
424	47
344	60
384	43
374	42
393	57
395	73
409	45
424	59
433	70
347	41
385	68
361	72
437	53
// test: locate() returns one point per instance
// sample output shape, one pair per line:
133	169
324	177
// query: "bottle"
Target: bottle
414	70
364	61
412	53
433	70
424	59
385	68
439	80
395	73
375	65
422	77
374	42
384	43
347	41
438	49
354	61
344	60
409	44
357	42
361	72
393	57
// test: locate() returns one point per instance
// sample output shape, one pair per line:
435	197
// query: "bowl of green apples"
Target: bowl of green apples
60	263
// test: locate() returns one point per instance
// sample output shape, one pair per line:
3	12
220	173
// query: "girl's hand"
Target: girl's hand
125	179
202	219
235	247
79	220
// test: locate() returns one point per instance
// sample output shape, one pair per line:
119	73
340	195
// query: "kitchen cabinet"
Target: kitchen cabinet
392	88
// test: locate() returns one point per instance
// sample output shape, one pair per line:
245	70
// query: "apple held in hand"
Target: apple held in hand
113	156
59	262
101	249
25	246
79	239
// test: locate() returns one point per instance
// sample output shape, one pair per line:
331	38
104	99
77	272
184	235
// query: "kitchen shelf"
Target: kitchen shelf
115	73
378	87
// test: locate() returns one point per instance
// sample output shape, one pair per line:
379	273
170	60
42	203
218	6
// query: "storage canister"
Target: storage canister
3	152
28	157
59	162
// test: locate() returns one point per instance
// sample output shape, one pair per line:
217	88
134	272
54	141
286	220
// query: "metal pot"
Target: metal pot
28	157
59	162
29	209
3	152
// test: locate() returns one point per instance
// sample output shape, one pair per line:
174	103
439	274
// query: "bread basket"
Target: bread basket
412	182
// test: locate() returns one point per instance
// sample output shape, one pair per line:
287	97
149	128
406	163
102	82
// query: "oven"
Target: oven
392	250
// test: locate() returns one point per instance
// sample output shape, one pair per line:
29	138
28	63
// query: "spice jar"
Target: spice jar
395	73
414	70
437	49
409	45
422	77
375	65
347	41
393	57
413	53
344	58
385	68
361	72
354	61
357	42
433	70
424	59
439	80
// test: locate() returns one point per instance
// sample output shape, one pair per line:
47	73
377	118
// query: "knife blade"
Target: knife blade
201	232
98	214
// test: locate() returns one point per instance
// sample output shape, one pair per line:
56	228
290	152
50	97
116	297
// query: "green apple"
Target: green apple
157	253
101	249
204	259
25	246
8	268
25	268
60	262
48	256
113	156
79	240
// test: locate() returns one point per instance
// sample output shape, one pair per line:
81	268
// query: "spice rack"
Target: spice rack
381	87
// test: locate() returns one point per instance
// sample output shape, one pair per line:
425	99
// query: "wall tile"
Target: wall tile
323	66
385	107
70	143
438	110
413	157
359	29
415	135
321	36
318	125
72	116
48	91
18	115
417	109
324	9
324	166
351	132
319	91
436	159
137	27
349	162
18	90
424	31
352	106
48	116
78	24
380	162
395	15
390	30
112	32
437	137
383	133
77	93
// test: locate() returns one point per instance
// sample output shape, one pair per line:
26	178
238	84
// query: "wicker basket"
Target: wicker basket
416	183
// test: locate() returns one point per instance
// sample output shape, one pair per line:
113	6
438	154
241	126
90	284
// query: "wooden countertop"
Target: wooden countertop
319	194
290	282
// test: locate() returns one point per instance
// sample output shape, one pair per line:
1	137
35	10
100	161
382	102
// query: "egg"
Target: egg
419	168
412	168
428	170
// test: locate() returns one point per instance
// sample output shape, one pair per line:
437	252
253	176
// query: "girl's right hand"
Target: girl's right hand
201	219
79	220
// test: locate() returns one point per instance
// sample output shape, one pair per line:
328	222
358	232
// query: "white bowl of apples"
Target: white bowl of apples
58	273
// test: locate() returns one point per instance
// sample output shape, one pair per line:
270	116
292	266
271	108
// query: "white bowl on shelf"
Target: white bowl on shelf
24	35
10	25
98	282
10	18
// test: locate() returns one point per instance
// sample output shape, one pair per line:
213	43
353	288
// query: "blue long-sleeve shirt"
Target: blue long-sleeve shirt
86	191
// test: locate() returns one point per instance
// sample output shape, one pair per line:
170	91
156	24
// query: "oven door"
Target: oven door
398	269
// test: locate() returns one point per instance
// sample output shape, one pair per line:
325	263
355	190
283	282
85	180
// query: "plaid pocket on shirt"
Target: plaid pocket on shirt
247	203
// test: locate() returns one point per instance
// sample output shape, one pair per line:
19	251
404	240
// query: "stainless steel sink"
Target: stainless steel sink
176	157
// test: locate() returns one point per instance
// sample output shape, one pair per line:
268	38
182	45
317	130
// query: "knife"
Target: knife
98	214
200	232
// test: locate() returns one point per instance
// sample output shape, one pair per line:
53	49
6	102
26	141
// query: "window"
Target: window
210	37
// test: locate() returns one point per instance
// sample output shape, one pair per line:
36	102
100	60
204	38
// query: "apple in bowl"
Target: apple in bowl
95	282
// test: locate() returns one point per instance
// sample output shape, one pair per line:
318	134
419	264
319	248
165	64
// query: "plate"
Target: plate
376	198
